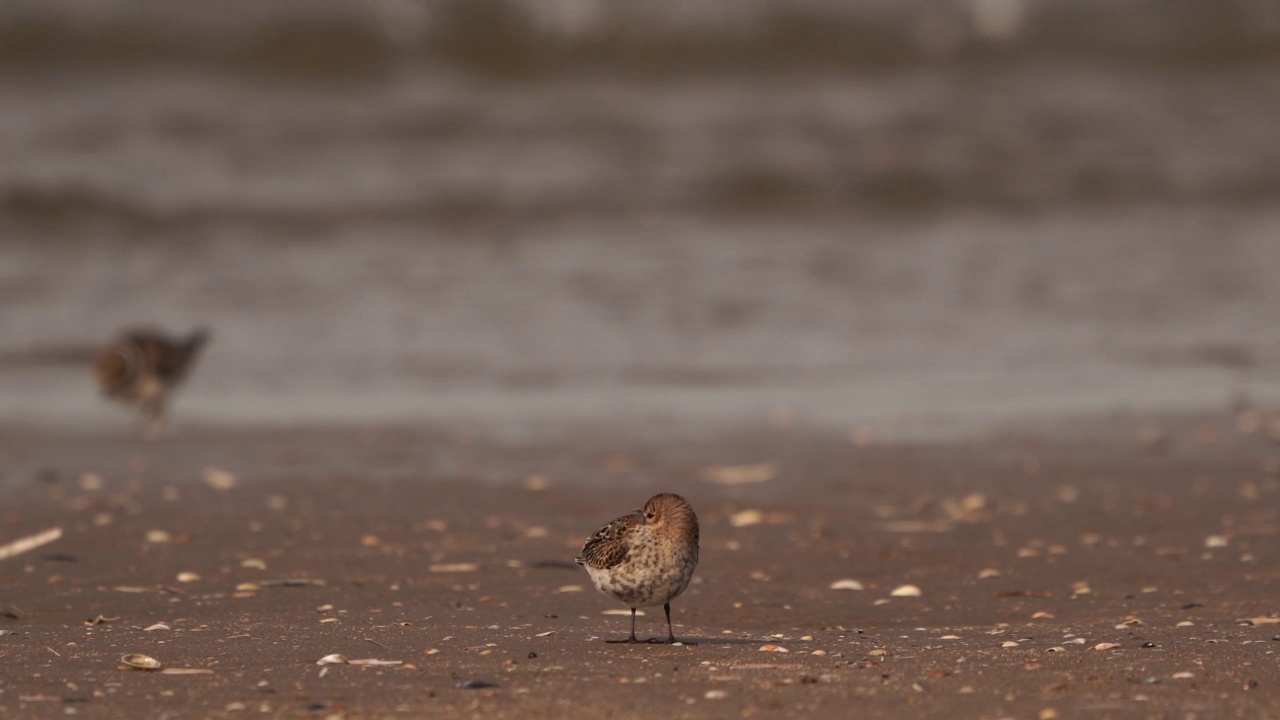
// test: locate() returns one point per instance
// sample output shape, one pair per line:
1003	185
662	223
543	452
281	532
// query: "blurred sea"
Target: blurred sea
676	212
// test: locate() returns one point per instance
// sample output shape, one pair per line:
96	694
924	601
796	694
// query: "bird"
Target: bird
646	557
142	367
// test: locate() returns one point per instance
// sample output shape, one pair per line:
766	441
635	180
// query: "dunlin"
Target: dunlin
141	367
646	557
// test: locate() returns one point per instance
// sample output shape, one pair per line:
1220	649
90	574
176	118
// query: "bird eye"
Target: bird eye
649	515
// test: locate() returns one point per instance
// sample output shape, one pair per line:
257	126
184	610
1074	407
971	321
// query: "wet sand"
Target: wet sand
451	552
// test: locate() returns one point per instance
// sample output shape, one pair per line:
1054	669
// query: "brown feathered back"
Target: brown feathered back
605	548
140	358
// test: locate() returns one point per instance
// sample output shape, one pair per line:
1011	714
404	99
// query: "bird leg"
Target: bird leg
631	639
154	418
671	636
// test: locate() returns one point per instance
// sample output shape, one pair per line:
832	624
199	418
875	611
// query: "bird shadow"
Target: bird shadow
697	640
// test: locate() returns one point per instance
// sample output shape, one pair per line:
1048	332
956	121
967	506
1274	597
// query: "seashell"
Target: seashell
140	662
746	518
847	584
334	659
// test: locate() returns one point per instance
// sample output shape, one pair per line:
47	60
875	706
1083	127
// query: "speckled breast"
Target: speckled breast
648	577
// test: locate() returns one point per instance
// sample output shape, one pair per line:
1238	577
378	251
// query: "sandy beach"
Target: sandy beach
1118	568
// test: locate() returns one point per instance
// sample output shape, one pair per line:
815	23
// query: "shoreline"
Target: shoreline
894	410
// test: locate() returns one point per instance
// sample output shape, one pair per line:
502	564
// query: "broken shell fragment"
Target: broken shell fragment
848	584
906	591
375	662
218	479
140	662
453	567
740	474
334	659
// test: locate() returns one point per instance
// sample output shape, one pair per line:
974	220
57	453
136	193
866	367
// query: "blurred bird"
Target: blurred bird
646	557
142	367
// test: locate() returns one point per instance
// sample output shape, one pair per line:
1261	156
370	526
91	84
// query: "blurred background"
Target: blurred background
682	213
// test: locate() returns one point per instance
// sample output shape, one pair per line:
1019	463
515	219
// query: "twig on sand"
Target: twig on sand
29	543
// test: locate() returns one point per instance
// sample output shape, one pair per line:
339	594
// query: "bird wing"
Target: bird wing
608	547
